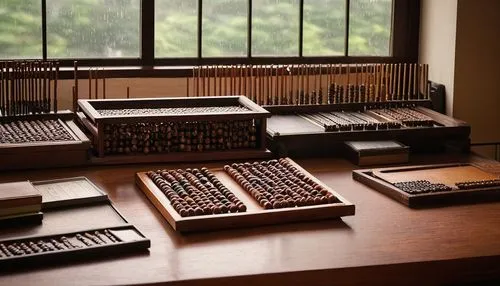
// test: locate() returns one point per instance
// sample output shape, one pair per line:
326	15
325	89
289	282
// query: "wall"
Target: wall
477	73
438	20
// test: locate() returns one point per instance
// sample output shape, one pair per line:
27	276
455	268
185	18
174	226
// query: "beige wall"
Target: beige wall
477	71
437	43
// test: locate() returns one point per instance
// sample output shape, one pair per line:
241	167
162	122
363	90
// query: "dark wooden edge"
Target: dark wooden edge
245	219
87	124
183	157
89	108
100	250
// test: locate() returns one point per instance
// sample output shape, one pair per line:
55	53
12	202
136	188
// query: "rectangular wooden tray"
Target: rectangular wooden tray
381	180
255	214
140	242
68	192
41	154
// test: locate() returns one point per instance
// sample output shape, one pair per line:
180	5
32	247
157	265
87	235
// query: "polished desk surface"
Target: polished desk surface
384	243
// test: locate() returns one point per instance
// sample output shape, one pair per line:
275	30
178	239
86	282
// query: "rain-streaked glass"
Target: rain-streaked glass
93	29
20	29
275	27
225	24
176	28
324	27
370	26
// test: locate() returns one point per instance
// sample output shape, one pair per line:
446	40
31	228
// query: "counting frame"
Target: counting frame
254	214
184	129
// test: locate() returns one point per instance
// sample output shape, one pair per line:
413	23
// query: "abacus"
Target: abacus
174	129
69	246
240	195
335	103
429	185
323	84
32	128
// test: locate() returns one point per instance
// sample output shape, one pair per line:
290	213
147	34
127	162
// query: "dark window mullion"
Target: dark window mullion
44	29
200	22
249	30
147	32
347	18
301	27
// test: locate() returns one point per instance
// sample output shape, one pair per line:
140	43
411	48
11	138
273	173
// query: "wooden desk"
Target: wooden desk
384	243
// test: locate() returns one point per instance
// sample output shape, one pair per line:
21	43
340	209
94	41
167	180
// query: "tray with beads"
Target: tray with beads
420	186
175	129
241	195
73	245
30	141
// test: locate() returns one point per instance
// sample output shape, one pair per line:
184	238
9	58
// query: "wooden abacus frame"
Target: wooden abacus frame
366	176
255	215
95	123
41	154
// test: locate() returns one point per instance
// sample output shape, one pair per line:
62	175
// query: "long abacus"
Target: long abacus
58	243
314	84
28	87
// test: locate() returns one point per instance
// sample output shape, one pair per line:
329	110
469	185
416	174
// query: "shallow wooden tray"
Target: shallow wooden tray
255	214
381	180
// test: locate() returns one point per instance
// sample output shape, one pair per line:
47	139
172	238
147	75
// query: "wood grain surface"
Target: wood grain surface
384	243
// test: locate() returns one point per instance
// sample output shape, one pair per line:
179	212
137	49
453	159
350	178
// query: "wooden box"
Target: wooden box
255	214
383	180
290	134
180	129
46	154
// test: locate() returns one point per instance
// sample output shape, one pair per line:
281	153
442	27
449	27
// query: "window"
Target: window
20	29
176	28
185	32
93	29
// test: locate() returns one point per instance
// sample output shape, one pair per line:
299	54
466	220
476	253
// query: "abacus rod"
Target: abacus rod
96	73
208	75
90	83
56	87
404	81
75	64
49	102
399	82
104	84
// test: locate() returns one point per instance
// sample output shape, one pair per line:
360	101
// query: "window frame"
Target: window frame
403	46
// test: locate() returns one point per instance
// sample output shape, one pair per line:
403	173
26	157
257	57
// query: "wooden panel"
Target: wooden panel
254	216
